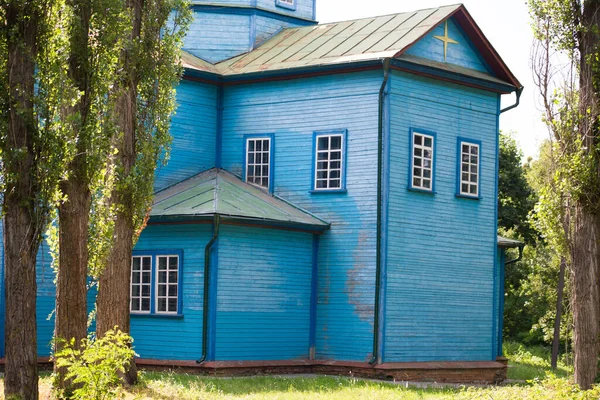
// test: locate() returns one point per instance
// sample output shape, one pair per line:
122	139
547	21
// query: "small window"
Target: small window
329	161
258	161
422	148
290	4
155	284
469	169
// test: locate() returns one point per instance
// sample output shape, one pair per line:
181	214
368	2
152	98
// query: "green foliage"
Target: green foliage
516	198
95	366
157	71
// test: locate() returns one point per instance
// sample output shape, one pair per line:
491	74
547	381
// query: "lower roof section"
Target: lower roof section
219	192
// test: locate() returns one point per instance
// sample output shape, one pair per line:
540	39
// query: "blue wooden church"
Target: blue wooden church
330	203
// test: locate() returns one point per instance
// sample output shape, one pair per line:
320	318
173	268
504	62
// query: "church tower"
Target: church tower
226	28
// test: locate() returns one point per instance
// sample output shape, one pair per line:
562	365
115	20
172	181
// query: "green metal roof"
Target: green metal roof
361	40
506	243
339	42
218	192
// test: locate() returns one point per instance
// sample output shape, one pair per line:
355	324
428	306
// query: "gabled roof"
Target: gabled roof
218	192
356	41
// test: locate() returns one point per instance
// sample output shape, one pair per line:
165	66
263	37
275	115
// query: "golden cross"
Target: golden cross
446	39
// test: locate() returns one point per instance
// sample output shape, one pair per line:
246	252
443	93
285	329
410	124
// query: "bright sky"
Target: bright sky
506	25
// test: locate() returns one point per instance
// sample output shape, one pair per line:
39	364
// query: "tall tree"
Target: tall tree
93	29
33	155
572	27
145	101
516	198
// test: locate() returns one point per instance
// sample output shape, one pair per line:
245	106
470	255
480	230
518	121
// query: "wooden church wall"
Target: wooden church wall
193	129
176	337
441	248
264	294
293	110
218	34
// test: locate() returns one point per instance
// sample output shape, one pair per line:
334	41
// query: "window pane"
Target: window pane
135	304
162	305
323	143
473	189
418	152
321	174
162	263
418	140
146	290
145	277
136	264
336	155
426	183
465	177
465	148
173	276
428	142
147	263
258	145
145	304
417	182
474	150
135	290
335	183
321	184
135	277
336	142
473	169
417	172
427	173
464	188
162	277
172	305
162	290
427	154
266	145
173	290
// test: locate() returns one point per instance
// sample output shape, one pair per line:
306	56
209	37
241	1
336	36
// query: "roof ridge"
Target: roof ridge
390	14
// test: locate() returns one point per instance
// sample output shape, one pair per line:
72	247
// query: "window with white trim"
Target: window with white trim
155	284
258	161
141	284
288	2
422	161
329	161
469	168
167	282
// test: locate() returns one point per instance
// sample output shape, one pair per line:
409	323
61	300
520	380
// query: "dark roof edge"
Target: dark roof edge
506	243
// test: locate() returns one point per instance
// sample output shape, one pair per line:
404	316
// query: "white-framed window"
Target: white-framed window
167	284
290	4
155	283
470	157
422	147
329	161
141	284
258	161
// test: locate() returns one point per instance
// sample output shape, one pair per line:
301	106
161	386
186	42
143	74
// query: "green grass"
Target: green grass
532	362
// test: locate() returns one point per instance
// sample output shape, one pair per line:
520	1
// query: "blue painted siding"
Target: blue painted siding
167	338
499	307
440	273
46	300
292	111
194	131
216	36
463	53
304	8
263	296
266	27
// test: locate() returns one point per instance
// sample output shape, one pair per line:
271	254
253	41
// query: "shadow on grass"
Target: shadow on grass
533	362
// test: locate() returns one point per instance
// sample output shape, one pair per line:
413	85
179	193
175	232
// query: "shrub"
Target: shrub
95	368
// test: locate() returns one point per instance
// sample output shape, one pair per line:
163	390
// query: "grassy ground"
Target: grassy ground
533	362
530	364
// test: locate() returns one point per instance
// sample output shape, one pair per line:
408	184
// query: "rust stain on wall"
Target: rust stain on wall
360	280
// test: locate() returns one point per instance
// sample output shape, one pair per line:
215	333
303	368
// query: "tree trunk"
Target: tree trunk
74	212
115	281
71	280
559	301
585	296
23	227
